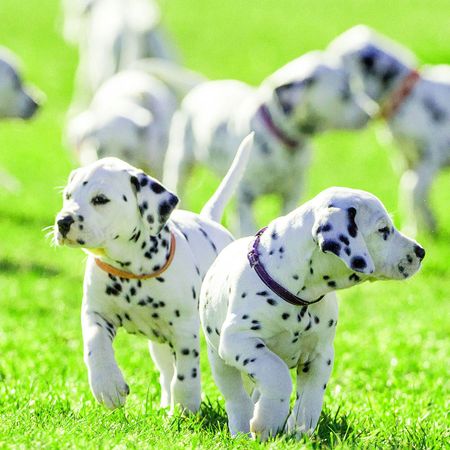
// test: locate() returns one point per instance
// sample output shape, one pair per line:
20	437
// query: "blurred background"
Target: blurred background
392	340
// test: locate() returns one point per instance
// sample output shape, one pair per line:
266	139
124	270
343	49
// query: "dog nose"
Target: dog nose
64	225
419	251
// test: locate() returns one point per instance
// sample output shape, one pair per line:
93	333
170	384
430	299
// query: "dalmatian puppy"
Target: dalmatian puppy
111	35
309	95
415	106
129	118
144	271
16	100
268	304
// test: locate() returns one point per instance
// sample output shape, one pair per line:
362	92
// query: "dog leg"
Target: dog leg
312	378
179	157
105	378
271	376
164	362
246	221
186	385
414	198
238	404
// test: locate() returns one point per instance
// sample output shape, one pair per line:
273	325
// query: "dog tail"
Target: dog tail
216	204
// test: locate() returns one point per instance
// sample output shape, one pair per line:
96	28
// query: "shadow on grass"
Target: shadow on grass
13	267
332	429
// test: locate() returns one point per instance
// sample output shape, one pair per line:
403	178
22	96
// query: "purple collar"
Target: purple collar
289	142
255	263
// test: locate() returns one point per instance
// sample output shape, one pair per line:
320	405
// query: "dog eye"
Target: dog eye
100	200
384	231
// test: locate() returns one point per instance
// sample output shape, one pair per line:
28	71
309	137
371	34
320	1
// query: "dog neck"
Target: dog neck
293	259
268	116
139	253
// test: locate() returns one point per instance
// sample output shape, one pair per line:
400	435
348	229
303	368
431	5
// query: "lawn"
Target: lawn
389	386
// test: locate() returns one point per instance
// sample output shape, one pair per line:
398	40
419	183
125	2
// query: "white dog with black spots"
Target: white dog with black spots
420	123
144	271
340	238
307	96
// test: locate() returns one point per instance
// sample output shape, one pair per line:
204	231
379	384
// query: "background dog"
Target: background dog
155	260
419	122
340	238
309	95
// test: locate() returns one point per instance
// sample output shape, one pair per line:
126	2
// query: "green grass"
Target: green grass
390	382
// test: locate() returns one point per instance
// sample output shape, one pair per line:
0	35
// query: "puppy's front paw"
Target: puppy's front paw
268	419
109	387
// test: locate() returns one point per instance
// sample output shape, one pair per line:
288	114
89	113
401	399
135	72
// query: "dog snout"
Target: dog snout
30	108
419	252
64	225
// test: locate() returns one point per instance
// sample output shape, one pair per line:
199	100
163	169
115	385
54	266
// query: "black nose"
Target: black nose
64	225
419	251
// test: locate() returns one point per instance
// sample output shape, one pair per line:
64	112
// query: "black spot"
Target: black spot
311	270
330	322
150	219
354	277
331	246
262	293
245	316
180	377
295	277
274	235
327	227
326	277
245	362
436	112
316	319
358	262
208	329
160	279
388	76
305	368
177	313
332	283
237	357
285	316
156	188
344	239
255	327
271	302
85	183
135	182
127	316
155	315
259	345
329	362
308	326
142	302
194	373
80	241
352	228
124	198
164	209
347	251
243	295
185	351
195	353
133	291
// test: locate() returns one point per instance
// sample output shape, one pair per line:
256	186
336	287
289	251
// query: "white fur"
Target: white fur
128	118
304	97
111	35
421	126
130	230
256	336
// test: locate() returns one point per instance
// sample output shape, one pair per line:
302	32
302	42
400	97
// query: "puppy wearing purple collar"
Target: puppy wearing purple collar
268	304
306	97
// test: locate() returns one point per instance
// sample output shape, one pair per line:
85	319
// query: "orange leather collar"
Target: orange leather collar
123	274
399	95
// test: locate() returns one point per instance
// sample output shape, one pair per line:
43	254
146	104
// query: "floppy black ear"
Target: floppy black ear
290	94
154	201
335	230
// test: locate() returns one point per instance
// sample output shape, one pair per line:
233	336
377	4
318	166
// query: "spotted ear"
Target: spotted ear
290	94
335	230
154	201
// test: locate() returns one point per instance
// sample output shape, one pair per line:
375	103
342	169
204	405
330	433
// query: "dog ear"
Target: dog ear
335	230
290	94
154	201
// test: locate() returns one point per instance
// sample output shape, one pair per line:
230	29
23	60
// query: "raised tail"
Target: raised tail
214	207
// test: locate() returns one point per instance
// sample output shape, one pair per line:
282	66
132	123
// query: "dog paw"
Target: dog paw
267	422
109	388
